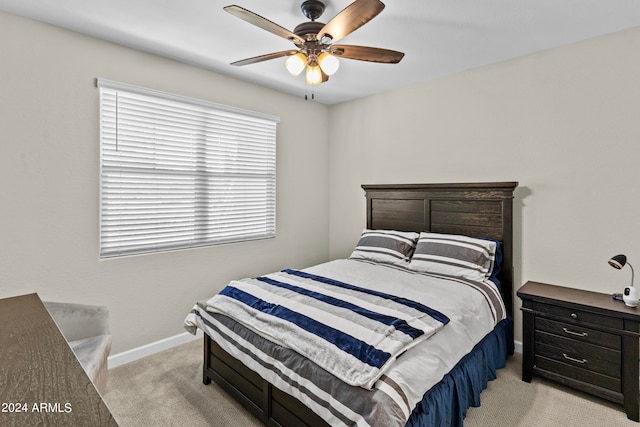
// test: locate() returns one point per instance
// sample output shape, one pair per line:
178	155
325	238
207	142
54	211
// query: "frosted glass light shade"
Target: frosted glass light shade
328	63
296	63
314	75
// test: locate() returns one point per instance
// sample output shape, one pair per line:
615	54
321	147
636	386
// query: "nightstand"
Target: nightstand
581	339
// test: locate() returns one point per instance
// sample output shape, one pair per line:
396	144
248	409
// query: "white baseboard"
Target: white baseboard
174	341
518	346
152	348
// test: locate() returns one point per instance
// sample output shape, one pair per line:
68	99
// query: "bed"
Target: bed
431	382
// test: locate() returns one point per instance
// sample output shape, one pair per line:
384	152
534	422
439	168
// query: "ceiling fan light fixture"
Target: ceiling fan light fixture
314	40
314	75
328	63
296	63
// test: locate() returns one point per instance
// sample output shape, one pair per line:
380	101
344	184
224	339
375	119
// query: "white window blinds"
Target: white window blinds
178	172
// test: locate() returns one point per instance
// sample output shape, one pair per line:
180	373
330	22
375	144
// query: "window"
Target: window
178	172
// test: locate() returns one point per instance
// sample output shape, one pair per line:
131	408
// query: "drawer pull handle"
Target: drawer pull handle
574	316
578	334
581	361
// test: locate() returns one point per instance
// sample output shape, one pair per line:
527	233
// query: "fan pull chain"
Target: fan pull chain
313	93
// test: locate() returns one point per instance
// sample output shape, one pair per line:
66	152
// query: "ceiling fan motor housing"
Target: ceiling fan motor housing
308	28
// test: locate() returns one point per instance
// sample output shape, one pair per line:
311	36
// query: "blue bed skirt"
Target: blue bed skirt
446	404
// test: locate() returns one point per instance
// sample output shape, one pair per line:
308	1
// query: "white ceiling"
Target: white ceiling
439	37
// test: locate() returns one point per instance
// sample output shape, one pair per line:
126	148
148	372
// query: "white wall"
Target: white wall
49	163
564	123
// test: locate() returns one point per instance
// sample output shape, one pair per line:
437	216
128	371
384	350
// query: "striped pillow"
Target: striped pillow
387	246
454	255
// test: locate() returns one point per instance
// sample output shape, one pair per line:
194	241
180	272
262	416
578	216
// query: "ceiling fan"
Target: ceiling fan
316	52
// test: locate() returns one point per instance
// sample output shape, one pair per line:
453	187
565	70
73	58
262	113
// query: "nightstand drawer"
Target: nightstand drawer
579	333
563	370
569	314
582	355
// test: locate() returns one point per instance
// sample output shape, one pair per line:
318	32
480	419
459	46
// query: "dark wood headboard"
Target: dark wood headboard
471	209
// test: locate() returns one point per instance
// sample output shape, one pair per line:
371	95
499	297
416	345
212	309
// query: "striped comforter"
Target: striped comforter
353	332
473	310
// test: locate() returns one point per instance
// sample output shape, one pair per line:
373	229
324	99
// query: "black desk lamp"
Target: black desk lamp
630	294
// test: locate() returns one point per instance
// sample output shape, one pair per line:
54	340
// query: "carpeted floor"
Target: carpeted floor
167	390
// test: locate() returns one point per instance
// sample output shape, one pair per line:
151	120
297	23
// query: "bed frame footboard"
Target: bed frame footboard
272	406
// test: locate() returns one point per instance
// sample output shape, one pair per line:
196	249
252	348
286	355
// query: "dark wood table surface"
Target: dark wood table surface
41	381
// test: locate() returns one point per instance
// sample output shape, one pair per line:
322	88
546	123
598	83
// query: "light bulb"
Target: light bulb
314	75
328	63
296	63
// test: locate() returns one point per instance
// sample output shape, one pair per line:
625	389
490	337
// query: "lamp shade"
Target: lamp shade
618	261
328	63
314	75
296	63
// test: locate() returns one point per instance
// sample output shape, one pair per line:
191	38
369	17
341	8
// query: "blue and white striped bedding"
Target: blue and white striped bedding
473	309
353	332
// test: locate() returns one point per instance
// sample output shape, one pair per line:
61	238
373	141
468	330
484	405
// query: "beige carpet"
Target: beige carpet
167	390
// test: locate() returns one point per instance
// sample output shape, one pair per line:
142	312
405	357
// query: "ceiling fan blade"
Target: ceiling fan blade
264	23
365	53
351	18
266	57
